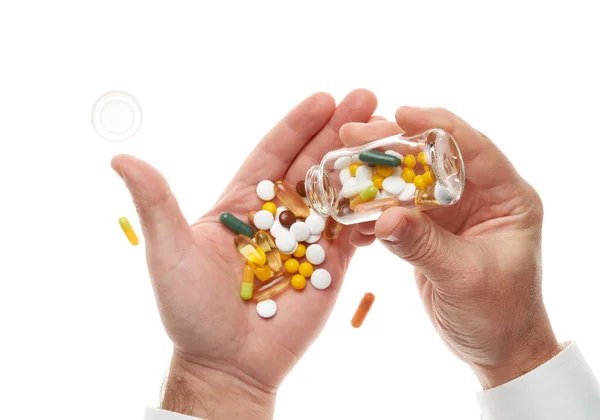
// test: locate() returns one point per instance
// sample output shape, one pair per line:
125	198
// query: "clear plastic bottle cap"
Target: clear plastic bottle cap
116	116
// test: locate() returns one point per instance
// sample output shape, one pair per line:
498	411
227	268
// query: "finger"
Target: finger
281	145
485	164
355	134
367	228
166	232
414	237
359	240
358	105
376	118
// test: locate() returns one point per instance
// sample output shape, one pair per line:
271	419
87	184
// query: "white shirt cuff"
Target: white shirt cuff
562	388
158	414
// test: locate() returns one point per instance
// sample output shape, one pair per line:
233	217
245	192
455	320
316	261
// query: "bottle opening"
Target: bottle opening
319	191
447	165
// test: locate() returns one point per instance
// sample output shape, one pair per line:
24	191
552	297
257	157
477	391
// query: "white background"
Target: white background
80	334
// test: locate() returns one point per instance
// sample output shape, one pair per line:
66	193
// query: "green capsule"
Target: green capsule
236	225
368	193
379	158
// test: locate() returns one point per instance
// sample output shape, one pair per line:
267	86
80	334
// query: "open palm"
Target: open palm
196	270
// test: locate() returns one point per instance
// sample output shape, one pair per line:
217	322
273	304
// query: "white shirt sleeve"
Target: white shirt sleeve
158	414
562	388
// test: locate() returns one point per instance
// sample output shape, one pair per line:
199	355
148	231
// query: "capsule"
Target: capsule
332	228
247	283
263	239
291	199
250	250
128	230
379	158
366	195
301	189
363	309
382	204
236	225
251	216
272	287
274	260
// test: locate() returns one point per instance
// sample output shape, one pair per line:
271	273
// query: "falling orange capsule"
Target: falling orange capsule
363	309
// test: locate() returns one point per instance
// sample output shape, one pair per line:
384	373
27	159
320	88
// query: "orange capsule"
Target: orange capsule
275	286
291	199
332	228
382	204
363	309
251	217
247	282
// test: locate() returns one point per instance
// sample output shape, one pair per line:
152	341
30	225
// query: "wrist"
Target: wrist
214	394
528	353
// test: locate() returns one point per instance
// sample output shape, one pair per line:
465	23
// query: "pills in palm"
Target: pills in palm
287	218
266	308
315	254
286	241
320	279
301	231
263	220
265	190
315	223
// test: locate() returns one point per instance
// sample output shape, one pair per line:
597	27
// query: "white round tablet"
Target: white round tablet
313	238
364	173
277	229
116	116
263	220
345	175
394	185
315	254
266	308
315	223
353	187
286	241
320	279
265	190
301	231
408	192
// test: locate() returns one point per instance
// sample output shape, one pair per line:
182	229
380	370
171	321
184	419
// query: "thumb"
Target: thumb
165	229
414	237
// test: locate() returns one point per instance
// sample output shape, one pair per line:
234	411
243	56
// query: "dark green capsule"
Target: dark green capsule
236	225
379	158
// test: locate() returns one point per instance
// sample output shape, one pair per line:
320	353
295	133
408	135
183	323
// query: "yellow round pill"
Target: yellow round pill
408	174
306	269
421	158
301	251
263	273
354	168
298	282
285	257
428	178
409	161
384	171
291	265
270	207
420	182
378	181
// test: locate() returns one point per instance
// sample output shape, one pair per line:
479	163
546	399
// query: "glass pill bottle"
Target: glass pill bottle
355	185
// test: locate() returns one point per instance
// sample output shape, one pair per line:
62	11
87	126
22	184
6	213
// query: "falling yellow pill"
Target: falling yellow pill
128	230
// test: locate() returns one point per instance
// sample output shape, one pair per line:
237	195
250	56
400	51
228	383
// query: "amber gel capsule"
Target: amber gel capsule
363	309
332	228
291	199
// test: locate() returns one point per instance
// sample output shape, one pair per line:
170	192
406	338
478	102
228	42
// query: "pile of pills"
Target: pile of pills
283	251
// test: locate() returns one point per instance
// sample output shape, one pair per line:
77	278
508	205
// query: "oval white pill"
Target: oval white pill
320	279
280	210
442	195
285	241
313	238
408	192
315	254
263	220
277	228
265	190
385	194
315	223
342	162
394	184
300	231
394	153
354	187
364	173
266	308
345	175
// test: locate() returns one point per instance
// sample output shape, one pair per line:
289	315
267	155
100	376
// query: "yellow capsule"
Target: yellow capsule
128	230
408	174
291	199
263	273
306	269
428	177
285	257
291	265
421	158
409	161
354	167
250	250
271	288
384	171
301	251
274	261
270	207
378	181
247	282
298	282
420	182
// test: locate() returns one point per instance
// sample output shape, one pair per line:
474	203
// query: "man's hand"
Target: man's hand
477	264
228	362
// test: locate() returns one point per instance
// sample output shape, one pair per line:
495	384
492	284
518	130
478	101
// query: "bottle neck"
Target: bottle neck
318	191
